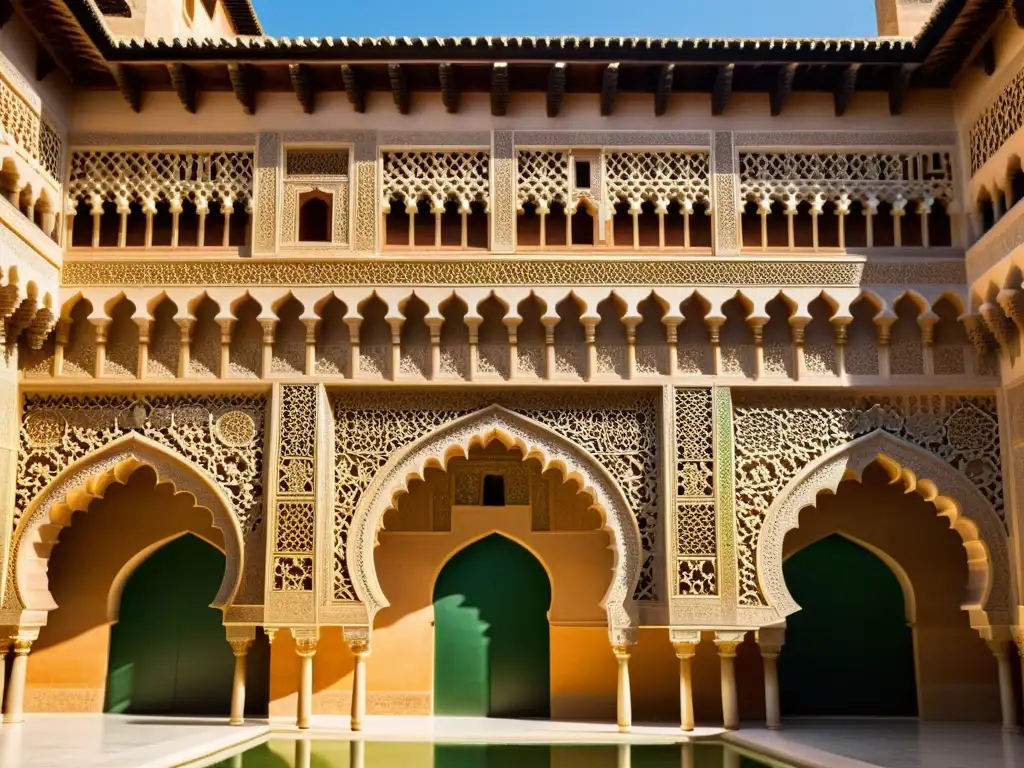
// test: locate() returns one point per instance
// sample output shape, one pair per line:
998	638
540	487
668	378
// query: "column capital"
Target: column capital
727	643
22	646
240	647
622	652
685	650
306	639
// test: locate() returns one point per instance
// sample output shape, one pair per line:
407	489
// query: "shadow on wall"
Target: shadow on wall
925	590
102	553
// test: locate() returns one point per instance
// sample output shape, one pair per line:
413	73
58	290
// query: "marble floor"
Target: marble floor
868	743
112	741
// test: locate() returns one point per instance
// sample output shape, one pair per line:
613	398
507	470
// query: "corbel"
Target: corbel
782	88
399	87
899	87
243	83
301	76
663	88
556	88
355	88
721	92
449	87
499	88
609	88
185	83
845	88
128	84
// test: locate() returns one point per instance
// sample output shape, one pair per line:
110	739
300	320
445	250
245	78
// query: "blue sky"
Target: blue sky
646	18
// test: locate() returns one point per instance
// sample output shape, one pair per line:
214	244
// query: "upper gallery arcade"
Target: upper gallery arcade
688	353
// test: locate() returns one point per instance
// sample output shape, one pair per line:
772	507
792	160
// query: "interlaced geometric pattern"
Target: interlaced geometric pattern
819	178
437	177
147	177
29	131
997	124
296	489
776	435
57	431
543	178
696	542
658	177
316	162
620	432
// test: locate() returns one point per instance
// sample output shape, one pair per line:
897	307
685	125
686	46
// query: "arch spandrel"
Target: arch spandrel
535	441
88	479
989	589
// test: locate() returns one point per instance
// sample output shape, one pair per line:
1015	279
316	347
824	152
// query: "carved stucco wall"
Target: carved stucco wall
777	435
618	430
221	436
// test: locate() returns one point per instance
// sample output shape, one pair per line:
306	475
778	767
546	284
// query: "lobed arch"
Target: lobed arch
89	478
990	592
533	440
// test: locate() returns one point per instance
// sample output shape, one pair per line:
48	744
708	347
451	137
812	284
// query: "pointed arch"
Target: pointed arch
89	478
533	440
989	590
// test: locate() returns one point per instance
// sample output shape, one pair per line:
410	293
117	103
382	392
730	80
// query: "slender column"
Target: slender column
14	709
727	643
353	324
839	328
226	324
473	324
360	650
926	322
61	341
303	753
686	647
714	325
631	325
1007	700
798	325
770	641
395	323
268	325
241	650
590	334
512	326
688	755
305	647
435	347
623	756
884	328
185	326
672	340
757	325
310	323
101	325
549	345
144	324
5	648
624	709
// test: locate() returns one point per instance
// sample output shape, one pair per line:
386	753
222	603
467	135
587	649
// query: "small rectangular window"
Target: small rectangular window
494	491
583	174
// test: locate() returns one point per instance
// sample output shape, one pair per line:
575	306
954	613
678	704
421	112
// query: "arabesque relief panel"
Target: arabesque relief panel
777	434
619	430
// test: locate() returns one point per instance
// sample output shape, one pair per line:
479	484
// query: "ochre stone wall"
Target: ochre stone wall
68	667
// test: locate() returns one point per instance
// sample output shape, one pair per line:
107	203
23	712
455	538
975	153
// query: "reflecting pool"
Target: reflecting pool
305	753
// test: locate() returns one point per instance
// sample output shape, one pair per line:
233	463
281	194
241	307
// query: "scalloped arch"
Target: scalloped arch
989	589
534	440
88	479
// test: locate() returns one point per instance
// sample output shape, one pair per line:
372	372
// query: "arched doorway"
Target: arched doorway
848	650
168	652
491	634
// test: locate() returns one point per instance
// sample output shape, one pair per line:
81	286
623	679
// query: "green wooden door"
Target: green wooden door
168	652
491	634
849	650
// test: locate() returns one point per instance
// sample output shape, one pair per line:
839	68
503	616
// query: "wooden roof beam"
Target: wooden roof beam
663	88
399	87
243	83
845	88
899	87
44	64
499	88
449	88
722	90
609	88
556	88
302	83
782	88
185	83
355	87
987	58
128	84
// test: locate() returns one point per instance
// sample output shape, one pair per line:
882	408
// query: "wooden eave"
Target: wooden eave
607	66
